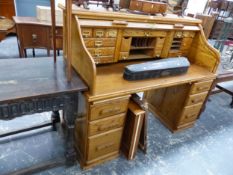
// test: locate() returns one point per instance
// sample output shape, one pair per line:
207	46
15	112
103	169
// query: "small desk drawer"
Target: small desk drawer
104	51
200	87
146	33
103	59
100	42
111	33
108	108
102	144
190	113
106	124
102	33
196	98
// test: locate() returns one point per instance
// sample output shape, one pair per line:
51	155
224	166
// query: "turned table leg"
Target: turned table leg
70	114
55	118
231	102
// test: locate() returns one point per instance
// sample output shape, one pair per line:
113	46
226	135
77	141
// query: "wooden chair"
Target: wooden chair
6	27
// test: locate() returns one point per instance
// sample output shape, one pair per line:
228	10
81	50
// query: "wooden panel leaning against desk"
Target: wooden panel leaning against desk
120	39
33	33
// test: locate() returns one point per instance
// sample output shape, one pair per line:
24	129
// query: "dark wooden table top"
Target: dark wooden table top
35	77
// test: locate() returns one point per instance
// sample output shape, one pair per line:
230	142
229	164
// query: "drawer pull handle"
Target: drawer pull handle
103	128
190	116
202	88
109	111
98	43
34	37
105	146
147	34
86	34
98	54
196	100
99	34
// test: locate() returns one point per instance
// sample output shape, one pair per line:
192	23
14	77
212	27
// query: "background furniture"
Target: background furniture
32	33
6	27
22	92
207	22
7	11
7	8
123	39
224	8
148	7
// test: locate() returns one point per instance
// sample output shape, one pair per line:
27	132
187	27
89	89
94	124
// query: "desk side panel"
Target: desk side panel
203	54
81	58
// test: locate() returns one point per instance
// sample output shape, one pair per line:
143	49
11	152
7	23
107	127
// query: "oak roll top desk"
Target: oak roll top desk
103	43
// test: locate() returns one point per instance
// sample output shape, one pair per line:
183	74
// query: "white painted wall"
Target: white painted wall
196	6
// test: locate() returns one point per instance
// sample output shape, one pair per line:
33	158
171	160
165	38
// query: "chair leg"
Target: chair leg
55	118
231	102
25	53
33	52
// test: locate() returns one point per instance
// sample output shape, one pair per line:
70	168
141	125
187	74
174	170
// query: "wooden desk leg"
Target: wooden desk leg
70	114
55	118
231	102
25	53
48	52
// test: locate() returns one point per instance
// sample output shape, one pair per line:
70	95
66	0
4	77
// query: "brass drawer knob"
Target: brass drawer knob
190	116
124	57
86	34
147	33
34	37
202	88
196	100
98	54
99	34
98	43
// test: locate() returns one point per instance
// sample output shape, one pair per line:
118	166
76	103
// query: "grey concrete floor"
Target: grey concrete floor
205	149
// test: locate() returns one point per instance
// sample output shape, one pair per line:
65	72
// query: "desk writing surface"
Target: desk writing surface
110	82
22	78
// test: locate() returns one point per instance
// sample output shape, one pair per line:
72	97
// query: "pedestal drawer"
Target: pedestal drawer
107	108
102	144
106	124
200	87
190	113
196	98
